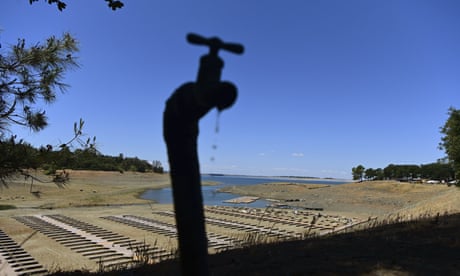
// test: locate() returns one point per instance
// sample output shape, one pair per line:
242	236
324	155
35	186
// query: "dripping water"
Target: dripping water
216	131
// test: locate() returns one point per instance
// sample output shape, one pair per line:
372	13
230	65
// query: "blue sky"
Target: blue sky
323	85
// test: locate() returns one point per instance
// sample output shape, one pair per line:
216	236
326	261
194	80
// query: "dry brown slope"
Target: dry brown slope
360	199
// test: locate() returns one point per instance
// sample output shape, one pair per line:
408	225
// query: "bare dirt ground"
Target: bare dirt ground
363	199
86	188
89	196
424	247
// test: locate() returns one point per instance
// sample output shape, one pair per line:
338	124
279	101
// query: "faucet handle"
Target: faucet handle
215	44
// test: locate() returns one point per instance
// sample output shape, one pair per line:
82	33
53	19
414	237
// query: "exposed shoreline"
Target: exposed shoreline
363	199
89	188
91	195
306	178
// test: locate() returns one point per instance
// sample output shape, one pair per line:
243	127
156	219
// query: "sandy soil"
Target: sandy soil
90	195
87	196
85	188
379	198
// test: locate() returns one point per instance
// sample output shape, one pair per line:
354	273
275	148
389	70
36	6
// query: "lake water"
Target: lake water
212	197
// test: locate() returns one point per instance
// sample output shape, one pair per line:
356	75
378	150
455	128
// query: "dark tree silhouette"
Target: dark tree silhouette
188	104
61	5
30	76
450	142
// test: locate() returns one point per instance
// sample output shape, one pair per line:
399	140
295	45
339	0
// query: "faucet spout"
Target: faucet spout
184	109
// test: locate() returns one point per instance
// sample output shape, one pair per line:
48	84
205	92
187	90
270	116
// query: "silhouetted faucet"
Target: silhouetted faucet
186	106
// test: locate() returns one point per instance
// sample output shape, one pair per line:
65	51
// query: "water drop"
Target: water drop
217	122
216	131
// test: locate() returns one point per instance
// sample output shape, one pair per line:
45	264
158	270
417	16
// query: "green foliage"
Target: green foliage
19	156
30	76
447	169
401	171
373	174
357	172
7	207
61	5
450	142
157	167
90	159
16	156
436	171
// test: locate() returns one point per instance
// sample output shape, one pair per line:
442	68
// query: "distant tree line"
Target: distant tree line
446	169
440	170
31	76
19	154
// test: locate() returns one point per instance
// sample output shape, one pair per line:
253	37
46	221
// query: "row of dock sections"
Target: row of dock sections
227	228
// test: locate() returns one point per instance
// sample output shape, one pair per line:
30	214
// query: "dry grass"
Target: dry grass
400	248
85	188
424	246
364	199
